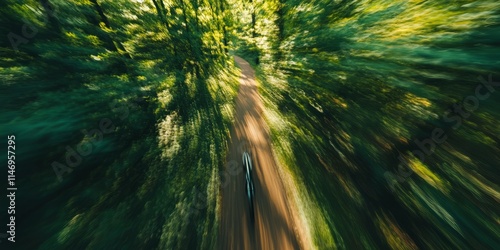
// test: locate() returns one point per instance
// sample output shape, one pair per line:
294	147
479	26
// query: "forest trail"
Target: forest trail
274	224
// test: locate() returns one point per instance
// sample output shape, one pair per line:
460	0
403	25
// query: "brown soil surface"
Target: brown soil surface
273	227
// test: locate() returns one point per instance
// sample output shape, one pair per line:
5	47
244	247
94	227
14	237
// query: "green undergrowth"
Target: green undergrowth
154	175
283	134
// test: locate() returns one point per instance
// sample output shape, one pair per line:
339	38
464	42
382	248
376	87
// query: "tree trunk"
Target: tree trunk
281	19
49	12
224	38
161	14
254	33
188	30
118	46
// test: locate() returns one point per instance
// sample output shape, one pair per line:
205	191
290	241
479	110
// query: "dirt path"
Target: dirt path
273	227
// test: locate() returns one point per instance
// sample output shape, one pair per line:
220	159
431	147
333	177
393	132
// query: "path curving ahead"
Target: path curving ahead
273	227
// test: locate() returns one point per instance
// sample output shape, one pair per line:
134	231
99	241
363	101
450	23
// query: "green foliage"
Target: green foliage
164	81
350	86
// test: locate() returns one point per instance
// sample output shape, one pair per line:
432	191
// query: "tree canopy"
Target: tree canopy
385	114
